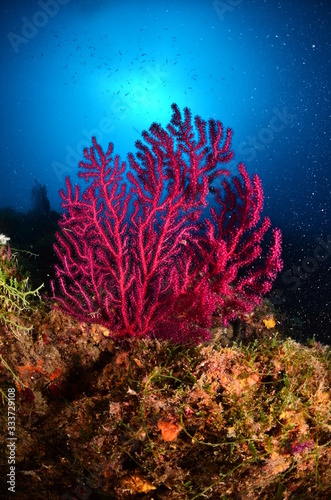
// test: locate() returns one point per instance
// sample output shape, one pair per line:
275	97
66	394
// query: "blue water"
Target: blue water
72	69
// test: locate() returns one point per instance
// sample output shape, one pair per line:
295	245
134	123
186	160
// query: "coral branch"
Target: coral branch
137	251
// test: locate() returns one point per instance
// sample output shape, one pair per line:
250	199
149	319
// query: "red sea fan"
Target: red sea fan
137	252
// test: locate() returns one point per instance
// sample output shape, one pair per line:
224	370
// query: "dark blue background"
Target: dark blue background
70	69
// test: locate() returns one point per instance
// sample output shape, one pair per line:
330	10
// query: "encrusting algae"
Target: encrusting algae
248	418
